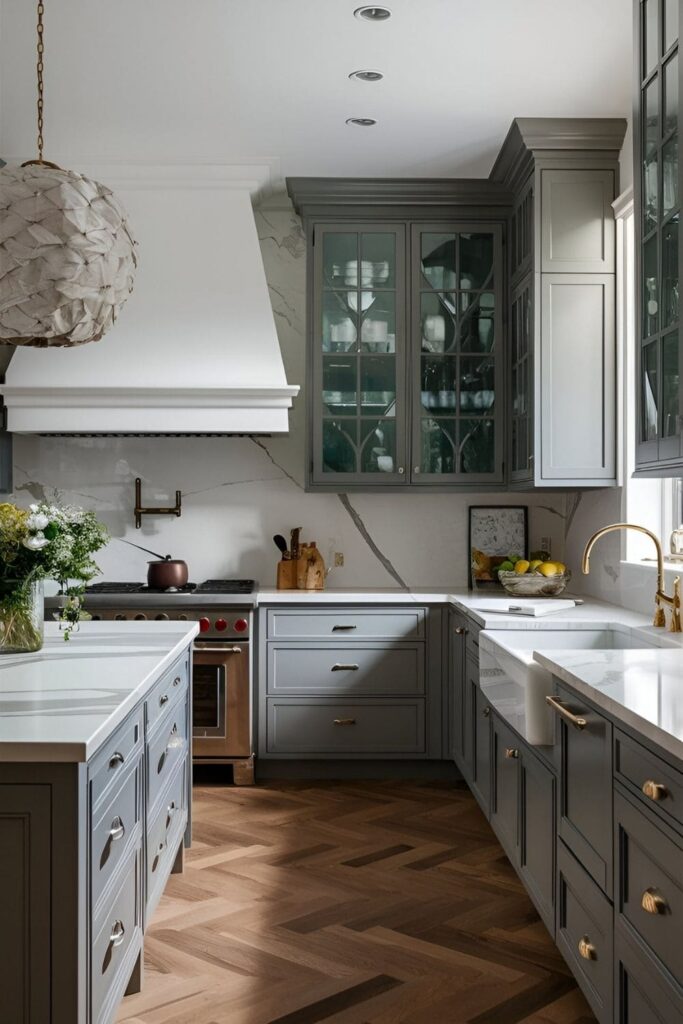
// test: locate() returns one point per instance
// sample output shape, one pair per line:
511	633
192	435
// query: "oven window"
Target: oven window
207	685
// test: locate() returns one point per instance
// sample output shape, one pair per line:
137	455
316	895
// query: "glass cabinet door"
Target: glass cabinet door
456	361
359	355
521	383
660	430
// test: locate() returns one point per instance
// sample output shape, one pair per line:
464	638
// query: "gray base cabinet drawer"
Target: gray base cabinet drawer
345	624
368	670
650	885
656	784
346	728
118	752
167	748
644	995
585	933
163	837
116	824
117	939
172	685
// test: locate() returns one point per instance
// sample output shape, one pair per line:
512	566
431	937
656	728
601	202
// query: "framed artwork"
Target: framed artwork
495	532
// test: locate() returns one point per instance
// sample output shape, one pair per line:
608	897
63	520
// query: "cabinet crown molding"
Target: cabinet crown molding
530	138
310	194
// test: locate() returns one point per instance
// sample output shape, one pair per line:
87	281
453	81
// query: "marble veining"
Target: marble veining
239	491
63	702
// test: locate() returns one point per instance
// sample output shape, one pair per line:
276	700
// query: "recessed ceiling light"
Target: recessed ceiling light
363	122
367	76
372	13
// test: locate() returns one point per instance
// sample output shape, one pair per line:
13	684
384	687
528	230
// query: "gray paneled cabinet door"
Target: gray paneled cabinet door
25	871
658	188
585	784
505	795
457	643
537	834
481	738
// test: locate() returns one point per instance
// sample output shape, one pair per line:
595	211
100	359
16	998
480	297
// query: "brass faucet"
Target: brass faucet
661	598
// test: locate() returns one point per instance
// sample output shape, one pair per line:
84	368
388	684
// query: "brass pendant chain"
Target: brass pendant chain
40	66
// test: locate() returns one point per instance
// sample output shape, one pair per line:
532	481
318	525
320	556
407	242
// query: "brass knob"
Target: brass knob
486	712
511	752
655	790
586	949
653	902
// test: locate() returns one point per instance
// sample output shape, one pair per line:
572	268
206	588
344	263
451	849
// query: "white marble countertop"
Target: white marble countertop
61	703
641	688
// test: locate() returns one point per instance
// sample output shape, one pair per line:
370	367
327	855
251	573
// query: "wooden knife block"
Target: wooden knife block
286	574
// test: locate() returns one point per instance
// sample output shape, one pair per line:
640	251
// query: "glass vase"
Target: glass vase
21	617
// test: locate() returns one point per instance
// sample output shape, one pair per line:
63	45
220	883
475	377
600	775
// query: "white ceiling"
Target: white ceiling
246	80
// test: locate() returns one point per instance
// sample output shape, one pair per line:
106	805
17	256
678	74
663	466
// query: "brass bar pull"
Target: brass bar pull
345	721
511	752
117	830
653	902
586	949
344	668
341	629
655	790
575	720
117	933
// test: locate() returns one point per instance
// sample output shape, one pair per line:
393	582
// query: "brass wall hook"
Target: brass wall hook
140	510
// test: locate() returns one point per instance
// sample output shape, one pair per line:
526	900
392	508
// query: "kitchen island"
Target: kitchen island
95	800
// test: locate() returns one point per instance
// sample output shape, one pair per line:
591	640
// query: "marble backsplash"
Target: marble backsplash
238	492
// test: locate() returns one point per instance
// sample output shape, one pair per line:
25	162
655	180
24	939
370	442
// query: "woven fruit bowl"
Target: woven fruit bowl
534	584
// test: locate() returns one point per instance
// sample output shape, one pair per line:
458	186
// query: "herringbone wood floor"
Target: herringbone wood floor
348	903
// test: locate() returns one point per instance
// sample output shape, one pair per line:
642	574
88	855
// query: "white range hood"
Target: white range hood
195	348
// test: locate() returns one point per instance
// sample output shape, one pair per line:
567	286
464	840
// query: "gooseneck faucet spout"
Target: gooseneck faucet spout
661	597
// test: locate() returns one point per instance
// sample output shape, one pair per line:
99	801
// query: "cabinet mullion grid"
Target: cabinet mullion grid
655	235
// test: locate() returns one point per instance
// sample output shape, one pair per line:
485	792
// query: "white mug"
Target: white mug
385	463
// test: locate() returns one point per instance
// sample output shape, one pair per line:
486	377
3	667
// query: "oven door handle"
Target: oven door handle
216	648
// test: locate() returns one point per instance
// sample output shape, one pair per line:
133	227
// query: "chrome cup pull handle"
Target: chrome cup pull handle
117	933
116	759
344	668
163	700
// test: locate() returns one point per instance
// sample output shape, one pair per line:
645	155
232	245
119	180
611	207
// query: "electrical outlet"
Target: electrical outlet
338	559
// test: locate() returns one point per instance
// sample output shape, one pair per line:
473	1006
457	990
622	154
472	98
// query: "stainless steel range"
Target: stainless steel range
222	661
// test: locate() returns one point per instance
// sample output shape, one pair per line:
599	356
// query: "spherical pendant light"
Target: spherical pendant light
67	255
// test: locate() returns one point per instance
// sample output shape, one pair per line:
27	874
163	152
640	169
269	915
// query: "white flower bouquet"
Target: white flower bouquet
45	541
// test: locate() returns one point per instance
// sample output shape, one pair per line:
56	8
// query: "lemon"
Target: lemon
561	567
521	566
548	569
534	564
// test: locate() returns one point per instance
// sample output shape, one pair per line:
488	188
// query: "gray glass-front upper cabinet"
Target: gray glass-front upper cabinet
456	353
405	332
659	440
561	349
359	342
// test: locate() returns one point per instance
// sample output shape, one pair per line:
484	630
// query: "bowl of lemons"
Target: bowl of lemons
533	576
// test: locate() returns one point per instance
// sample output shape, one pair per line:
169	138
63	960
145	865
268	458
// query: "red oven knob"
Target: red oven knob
241	625
221	625
204	625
